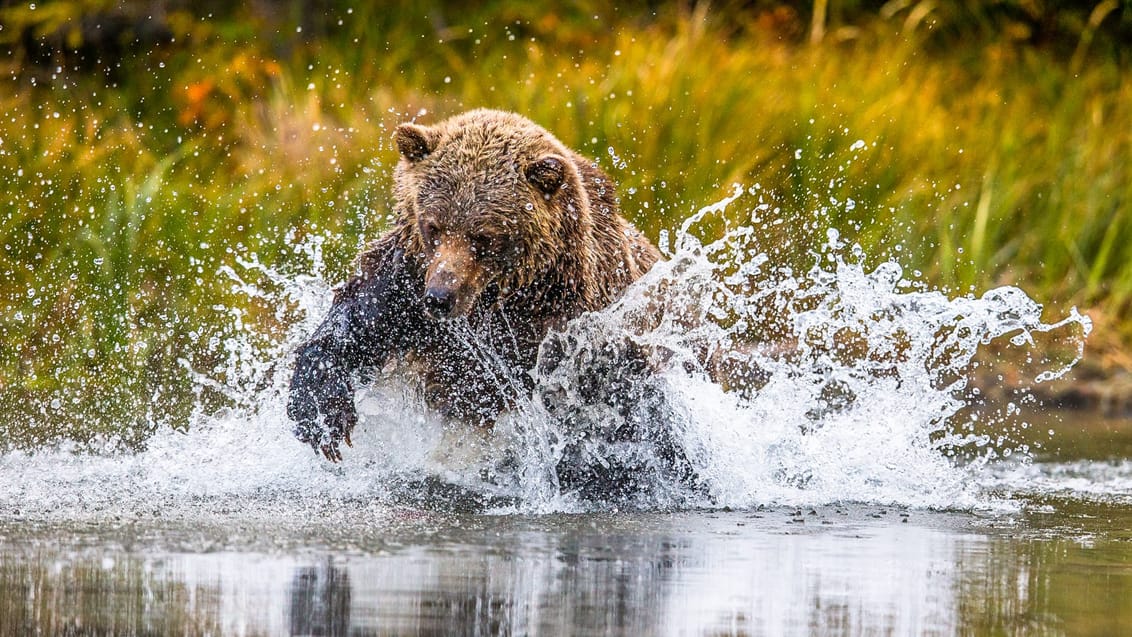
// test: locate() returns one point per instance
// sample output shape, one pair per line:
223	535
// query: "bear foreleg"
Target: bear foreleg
365	325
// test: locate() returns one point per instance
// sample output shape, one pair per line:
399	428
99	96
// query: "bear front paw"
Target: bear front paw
323	427
327	435
322	405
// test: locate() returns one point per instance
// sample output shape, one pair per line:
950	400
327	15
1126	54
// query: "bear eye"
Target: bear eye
429	230
482	244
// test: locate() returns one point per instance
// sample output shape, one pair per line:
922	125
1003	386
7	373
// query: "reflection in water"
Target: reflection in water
768	572
320	601
47	592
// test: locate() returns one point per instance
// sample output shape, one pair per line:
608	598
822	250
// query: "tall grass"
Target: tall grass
123	194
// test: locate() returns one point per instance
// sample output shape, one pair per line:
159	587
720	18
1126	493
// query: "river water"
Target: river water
848	478
1053	557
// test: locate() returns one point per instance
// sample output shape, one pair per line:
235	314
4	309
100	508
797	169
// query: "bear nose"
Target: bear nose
439	302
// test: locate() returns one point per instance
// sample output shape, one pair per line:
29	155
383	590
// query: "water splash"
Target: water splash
749	383
837	384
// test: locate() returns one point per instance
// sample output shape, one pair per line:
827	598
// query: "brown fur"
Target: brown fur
496	222
496	226
487	201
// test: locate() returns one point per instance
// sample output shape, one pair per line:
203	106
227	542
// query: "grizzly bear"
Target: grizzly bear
500	234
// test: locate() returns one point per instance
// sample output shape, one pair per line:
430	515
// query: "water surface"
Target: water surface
1052	556
848	481
1065	568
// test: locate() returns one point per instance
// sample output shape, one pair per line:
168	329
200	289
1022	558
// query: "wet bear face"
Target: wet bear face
485	199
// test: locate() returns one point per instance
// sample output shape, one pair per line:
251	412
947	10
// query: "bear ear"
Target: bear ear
414	142
547	174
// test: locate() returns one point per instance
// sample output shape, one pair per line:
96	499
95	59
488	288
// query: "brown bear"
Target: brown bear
500	234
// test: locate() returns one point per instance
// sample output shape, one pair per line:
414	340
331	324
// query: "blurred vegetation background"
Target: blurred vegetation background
146	147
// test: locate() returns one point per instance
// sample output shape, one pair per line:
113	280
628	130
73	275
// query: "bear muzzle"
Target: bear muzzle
453	283
449	301
440	302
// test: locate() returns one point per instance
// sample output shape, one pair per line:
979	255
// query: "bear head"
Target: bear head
488	199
